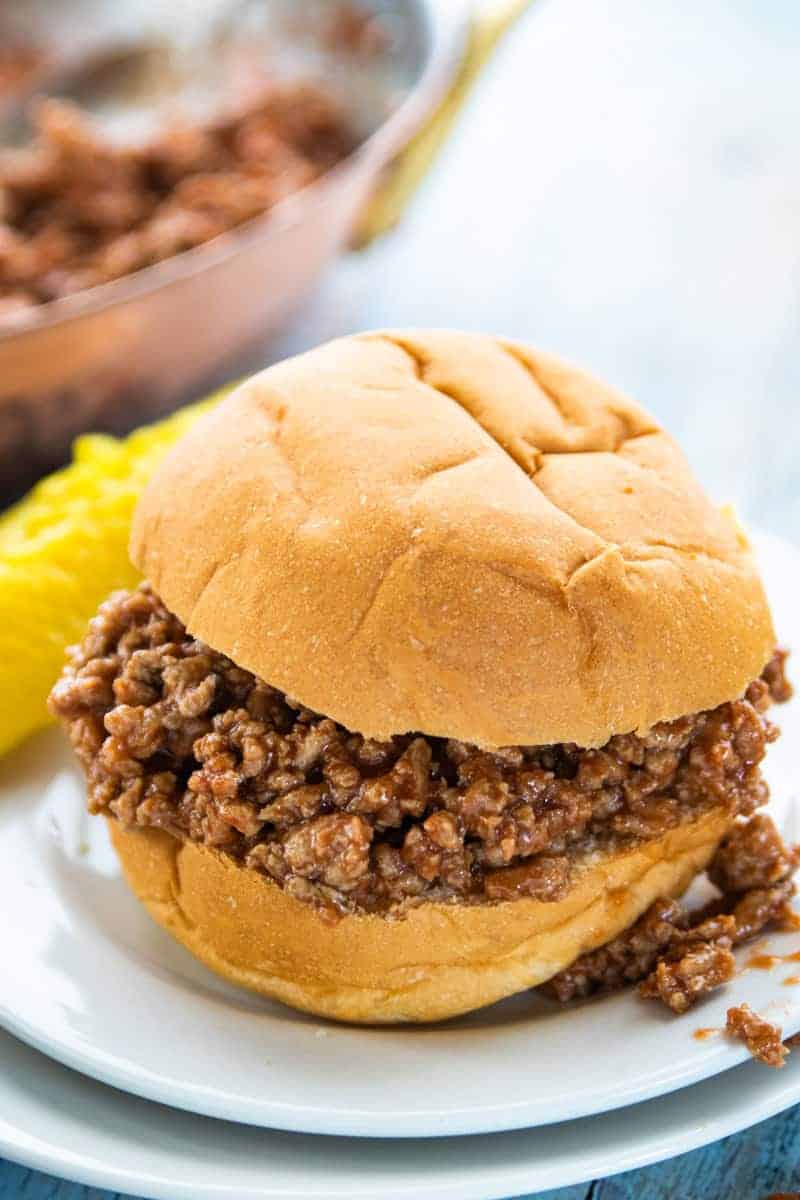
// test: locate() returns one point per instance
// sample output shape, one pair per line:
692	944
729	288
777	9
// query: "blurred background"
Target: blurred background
622	186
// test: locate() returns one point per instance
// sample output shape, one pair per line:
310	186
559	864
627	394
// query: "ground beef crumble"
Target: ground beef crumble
752	857
174	736
763	1040
77	210
677	956
680	979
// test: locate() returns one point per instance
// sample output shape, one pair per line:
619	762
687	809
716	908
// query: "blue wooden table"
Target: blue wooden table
750	1166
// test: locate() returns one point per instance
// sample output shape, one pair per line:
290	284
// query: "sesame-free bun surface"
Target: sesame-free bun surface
439	960
455	534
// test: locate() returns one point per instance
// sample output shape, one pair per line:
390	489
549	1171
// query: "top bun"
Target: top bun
458	535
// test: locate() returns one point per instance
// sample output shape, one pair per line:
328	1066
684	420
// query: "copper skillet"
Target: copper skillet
117	355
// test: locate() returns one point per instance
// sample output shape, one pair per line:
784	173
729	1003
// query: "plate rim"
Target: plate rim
778	1095
341	1122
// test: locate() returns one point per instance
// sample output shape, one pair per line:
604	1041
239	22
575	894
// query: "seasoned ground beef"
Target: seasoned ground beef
701	969
757	909
774	675
763	1040
627	959
173	735
753	855
77	210
680	956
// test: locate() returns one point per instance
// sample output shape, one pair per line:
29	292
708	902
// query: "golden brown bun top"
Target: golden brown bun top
454	534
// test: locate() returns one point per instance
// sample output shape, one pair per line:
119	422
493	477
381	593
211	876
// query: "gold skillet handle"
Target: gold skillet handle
401	178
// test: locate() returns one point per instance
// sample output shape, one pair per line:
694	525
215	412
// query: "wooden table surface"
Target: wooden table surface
624	189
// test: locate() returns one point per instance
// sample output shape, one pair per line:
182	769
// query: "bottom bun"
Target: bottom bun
437	961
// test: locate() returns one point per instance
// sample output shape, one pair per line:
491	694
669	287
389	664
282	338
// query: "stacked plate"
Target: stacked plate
266	1102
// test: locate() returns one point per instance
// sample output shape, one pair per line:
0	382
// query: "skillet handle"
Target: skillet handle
491	19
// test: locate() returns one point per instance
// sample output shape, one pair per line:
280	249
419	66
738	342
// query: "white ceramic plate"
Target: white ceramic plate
58	1121
86	977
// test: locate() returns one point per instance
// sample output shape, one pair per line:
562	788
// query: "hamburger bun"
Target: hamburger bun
455	534
437	961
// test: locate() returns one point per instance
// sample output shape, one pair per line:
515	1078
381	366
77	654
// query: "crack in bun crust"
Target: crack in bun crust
456	534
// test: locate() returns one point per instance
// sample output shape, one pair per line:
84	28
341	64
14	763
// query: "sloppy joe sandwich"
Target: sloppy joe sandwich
445	671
